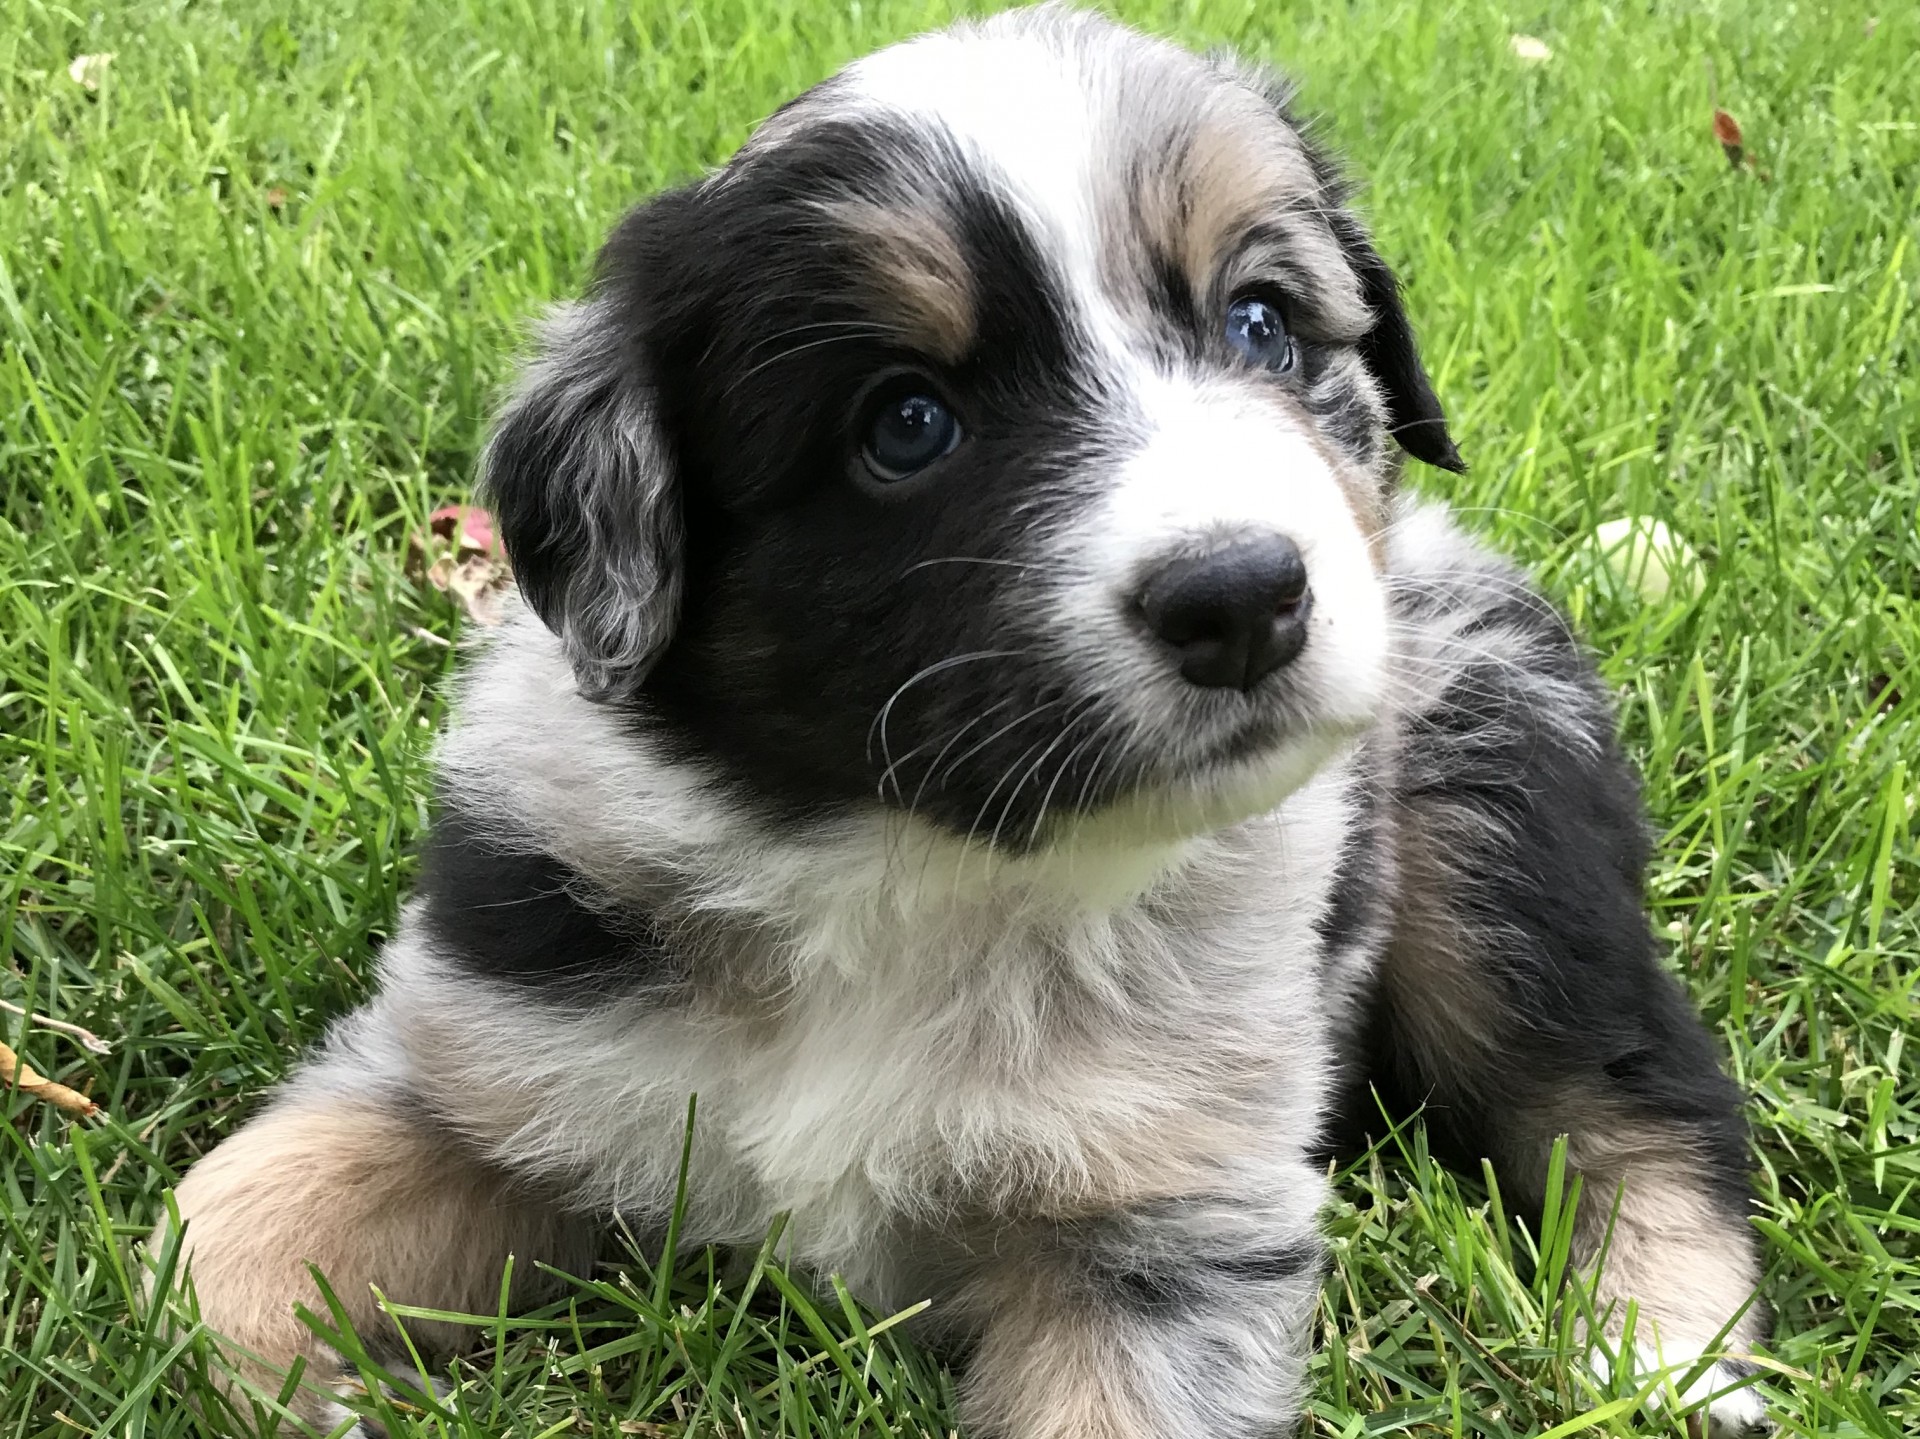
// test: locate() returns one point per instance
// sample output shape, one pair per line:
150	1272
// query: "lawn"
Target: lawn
259	287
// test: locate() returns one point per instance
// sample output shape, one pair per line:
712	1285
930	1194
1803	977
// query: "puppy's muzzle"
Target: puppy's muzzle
1234	615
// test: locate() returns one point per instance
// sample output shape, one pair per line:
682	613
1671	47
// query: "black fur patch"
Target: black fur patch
1414	416
1171	296
504	909
1547	884
1357	903
1159	1258
1193	1280
813	595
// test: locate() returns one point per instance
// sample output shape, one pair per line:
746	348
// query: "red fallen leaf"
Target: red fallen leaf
467	525
1726	130
460	554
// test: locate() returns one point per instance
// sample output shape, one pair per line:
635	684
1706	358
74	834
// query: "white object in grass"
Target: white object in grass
1650	559
87	71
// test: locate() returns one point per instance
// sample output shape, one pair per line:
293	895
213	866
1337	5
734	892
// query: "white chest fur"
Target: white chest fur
918	1030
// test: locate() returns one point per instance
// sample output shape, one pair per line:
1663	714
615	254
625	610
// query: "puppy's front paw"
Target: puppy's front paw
335	1413
1721	1401
1736	1410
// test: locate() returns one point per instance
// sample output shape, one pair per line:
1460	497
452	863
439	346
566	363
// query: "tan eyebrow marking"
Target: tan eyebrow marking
1226	192
914	268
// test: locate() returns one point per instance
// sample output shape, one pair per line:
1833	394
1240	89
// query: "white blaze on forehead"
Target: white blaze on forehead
1032	115
1013	102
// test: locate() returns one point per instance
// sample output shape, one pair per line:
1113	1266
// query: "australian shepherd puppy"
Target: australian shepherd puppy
986	721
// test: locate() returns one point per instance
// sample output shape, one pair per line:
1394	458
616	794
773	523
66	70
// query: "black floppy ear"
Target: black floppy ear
1390	355
581	480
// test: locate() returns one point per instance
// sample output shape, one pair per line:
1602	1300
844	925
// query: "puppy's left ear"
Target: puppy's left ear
1388	351
580	477
1390	355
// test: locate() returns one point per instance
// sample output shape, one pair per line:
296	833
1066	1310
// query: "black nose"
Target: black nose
1235	615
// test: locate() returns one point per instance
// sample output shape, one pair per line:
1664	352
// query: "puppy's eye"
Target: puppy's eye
907	428
1257	330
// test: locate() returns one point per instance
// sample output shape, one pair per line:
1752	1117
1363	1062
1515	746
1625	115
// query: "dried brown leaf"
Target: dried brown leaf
1726	130
15	1072
476	582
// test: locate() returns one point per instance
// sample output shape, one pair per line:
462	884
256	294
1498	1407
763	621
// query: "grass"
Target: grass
256	293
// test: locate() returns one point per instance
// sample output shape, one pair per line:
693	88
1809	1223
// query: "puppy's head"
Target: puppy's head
1004	434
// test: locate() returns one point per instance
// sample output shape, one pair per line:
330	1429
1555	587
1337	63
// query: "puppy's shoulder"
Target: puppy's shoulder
1479	649
542	800
1509	772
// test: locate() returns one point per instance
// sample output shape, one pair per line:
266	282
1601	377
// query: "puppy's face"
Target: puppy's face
1004	434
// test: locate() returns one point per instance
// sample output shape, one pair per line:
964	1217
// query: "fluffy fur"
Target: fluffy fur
1026	974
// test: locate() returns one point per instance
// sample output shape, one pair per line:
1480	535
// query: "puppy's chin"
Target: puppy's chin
1210	799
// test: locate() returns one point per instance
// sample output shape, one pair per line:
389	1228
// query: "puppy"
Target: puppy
984	720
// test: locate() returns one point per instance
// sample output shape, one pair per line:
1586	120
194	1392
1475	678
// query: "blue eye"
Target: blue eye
907	429
1256	329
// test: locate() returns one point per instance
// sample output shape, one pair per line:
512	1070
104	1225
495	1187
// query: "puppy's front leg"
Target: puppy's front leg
1177	1319
1522	1000
371	1194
